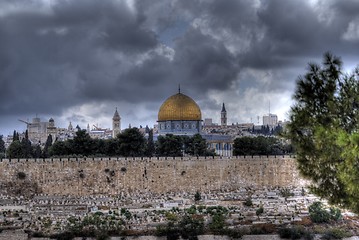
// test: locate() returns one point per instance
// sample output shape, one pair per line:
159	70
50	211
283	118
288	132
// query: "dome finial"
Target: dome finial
179	88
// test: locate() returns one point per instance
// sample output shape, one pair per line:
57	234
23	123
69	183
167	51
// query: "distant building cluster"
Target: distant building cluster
38	130
179	115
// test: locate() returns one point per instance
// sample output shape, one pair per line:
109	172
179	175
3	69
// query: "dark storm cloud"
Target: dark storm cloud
65	54
203	62
60	55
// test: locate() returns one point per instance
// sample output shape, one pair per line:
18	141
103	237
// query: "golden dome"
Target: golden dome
179	107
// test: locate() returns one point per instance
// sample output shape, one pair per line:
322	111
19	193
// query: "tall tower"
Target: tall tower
51	129
116	124
223	116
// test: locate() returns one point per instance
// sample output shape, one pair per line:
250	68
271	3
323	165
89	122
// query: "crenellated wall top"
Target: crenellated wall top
143	159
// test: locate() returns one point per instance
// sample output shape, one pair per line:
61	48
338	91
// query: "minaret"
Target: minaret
223	116
116	124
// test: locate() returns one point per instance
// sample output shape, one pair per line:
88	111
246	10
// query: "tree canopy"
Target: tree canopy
324	131
129	143
260	146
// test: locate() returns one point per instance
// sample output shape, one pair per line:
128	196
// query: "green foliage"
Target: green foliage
169	145
335	214
37	152
258	146
131	143
259	211
14	150
216	210
192	210
60	149
125	212
150	147
174	146
82	144
217	224
295	232
248	202
189	227
197	196
2	147
20	149
195	146
170	230
266	228
323	130
319	214
48	144
285	192
335	233
15	136
98	226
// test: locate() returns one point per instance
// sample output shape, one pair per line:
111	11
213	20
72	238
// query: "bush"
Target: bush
197	196
286	193
318	214
259	211
335	233
266	228
292	233
335	214
217	224
248	202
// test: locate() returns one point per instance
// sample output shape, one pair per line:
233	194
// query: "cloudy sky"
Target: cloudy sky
77	60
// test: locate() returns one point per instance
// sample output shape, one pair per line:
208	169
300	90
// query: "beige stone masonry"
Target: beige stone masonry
111	176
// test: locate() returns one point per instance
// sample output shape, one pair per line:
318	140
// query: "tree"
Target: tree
45	152
197	196
150	148
111	147
196	146
2	147
260	146
131	143
60	148
169	145
37	152
15	150
323	130
27	151
82	144
15	136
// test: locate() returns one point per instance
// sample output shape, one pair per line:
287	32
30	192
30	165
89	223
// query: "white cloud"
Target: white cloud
352	32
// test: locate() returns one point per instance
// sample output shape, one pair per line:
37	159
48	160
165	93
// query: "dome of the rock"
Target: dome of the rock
179	114
179	107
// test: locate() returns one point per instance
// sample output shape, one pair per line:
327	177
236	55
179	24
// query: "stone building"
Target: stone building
270	120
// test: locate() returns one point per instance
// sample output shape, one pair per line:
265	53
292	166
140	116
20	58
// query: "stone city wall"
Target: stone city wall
110	176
